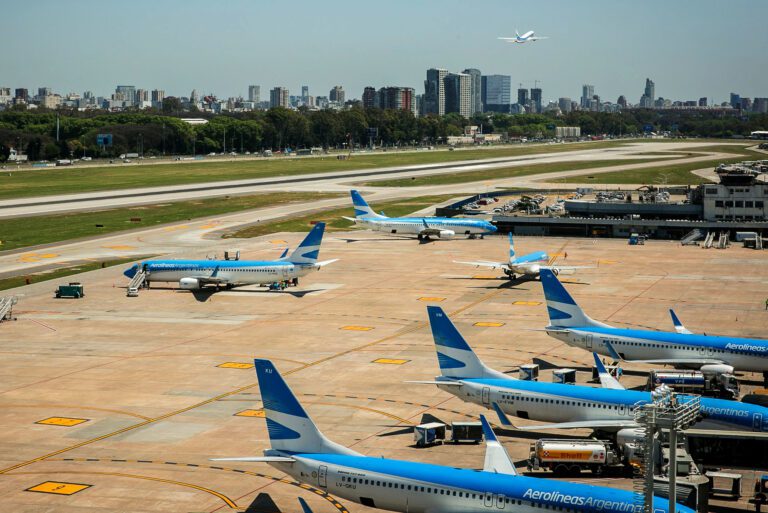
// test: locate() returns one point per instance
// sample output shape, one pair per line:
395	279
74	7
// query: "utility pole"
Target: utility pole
57	127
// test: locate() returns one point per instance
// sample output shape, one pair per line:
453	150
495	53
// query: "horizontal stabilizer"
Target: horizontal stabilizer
262	459
483	263
497	459
606	380
436	382
325	262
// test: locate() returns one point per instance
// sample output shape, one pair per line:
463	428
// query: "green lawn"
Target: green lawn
48	181
30	231
496	174
18	281
334	217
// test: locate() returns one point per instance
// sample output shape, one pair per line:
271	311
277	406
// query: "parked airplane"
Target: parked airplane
525	38
526	265
713	354
422	227
565	406
299	449
196	274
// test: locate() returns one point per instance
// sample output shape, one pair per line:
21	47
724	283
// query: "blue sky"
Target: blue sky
690	48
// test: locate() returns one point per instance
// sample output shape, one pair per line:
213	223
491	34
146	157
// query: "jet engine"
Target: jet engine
446	234
189	284
534	269
716	368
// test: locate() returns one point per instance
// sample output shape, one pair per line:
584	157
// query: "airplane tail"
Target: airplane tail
456	358
362	208
517	34
290	428
511	249
309	249
563	310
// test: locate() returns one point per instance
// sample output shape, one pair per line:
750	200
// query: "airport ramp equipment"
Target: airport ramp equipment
138	281
724	240
692	237
710	238
6	307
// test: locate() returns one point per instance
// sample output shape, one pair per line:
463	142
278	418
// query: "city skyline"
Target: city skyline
675	44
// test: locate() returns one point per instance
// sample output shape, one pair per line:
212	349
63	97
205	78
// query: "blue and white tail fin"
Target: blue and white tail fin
362	208
309	249
563	310
511	249
456	358
679	325
290	428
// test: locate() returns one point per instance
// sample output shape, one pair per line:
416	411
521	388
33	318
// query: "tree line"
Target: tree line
154	132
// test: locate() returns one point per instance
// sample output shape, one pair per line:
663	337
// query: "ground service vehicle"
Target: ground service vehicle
722	385
572	456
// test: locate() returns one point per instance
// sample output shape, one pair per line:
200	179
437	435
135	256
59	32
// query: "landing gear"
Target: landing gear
472	236
509	274
295	282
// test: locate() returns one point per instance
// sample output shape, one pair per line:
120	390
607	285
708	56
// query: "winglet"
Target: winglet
606	380
497	459
304	506
503	419
679	325
612	351
285	252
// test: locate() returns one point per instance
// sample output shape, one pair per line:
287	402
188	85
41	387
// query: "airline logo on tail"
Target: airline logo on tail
309	249
362	208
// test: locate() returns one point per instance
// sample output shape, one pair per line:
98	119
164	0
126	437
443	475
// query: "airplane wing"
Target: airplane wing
263	459
566	267
582	424
427	230
606	380
449	383
666	361
483	263
679	325
497	459
536	38
508	38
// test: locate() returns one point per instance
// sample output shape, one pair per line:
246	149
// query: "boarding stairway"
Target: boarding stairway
708	240
6	308
724	240
138	281
692	237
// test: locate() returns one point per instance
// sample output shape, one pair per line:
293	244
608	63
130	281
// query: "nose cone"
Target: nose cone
492	228
130	273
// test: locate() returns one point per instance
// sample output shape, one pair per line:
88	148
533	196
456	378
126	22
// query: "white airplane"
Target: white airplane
196	274
682	349
422	227
525	38
300	450
608	408
526	265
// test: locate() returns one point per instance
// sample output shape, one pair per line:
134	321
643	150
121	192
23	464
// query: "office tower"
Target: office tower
536	99
760	105
42	92
703	101
278	97
522	97
475	90
128	92
735	100
305	93
564	104
158	95
142	95
22	94
496	93
458	94
396	98
254	93
369	97
587	92
337	95
434	91
650	89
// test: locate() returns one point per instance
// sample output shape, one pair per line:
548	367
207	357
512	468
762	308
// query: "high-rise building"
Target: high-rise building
254	93
703	101
22	94
496	93
128	92
305	93
622	102
396	98
564	104
587	92
458	94
337	95
536	99
650	89
475	89
142	95
42	92
735	100
158	95
278	97
522	97
369	97
434	91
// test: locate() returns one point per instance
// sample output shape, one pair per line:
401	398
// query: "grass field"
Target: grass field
18	281
30	231
68	180
499	173
334	217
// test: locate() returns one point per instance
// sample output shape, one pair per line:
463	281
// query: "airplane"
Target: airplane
682	349
609	408
300	450
525	38
526	265
196	274
422	227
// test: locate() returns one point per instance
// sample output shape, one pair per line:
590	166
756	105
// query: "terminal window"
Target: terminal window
758	204
748	204
739	204
729	204
719	203
711	191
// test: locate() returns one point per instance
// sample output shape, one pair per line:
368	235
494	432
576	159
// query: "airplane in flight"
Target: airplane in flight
609	408
681	349
527	265
299	449
525	38
196	274
422	227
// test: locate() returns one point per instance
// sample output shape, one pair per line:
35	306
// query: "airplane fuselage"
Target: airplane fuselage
242	272
741	353
405	486
529	264
416	225
559	403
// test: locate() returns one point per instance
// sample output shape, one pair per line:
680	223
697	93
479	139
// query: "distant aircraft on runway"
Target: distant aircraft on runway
196	274
299	449
526	265
422	227
682	349
609	408
525	38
